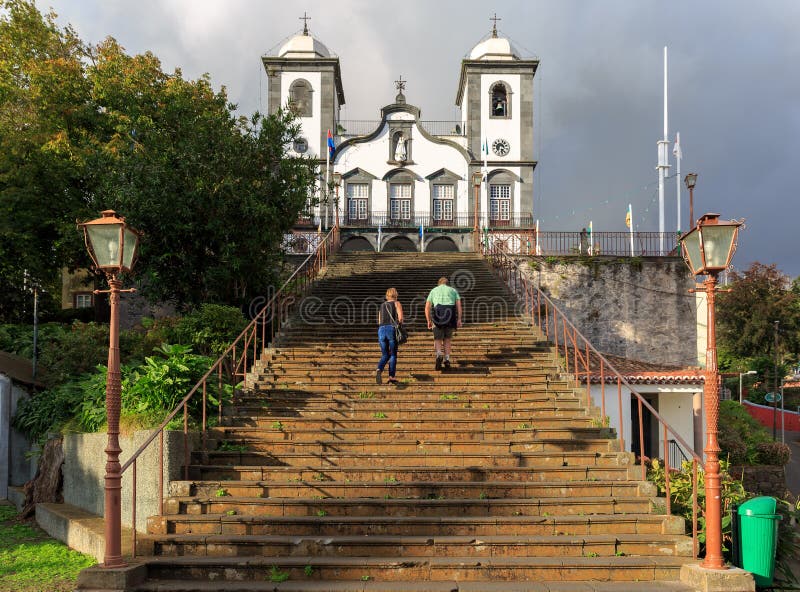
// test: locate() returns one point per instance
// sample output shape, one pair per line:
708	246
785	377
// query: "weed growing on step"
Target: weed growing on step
379	415
591	554
391	479
276	575
308	570
619	554
221	492
276	425
449	397
524	426
226	446
482	495
319	477
230	513
365	578
366	395
321	513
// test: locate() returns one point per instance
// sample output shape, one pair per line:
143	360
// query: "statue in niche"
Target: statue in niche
400	148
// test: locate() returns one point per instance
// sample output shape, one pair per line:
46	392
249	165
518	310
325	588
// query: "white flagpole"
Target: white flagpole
538	249
379	238
630	211
678	156
663	163
591	239
485	204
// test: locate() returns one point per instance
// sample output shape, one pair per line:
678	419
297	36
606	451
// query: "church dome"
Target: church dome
303	46
494	48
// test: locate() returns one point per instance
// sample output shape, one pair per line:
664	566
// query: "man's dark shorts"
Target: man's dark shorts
442	332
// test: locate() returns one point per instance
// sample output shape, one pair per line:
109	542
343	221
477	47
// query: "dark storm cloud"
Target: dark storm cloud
734	91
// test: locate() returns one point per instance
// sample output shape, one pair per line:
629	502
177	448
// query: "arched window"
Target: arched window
499	106
300	98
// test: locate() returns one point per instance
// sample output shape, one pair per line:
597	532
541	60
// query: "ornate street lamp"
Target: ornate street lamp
113	247
477	179
337	182
708	249
691	180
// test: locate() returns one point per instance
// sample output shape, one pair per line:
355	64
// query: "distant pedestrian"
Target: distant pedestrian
390	315
584	247
443	311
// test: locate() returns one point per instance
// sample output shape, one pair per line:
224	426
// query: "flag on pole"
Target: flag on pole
676	151
628	220
591	238
331	145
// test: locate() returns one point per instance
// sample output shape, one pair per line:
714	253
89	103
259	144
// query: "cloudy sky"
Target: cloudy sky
733	70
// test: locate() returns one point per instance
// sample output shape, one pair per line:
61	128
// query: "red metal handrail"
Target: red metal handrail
569	348
235	362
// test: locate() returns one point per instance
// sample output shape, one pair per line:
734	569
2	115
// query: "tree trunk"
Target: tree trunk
46	486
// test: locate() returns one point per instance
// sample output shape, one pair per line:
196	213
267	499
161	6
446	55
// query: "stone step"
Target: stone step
406	384
400	569
262	438
311	585
544	399
184	514
421	462
259	525
334	484
617	545
286	418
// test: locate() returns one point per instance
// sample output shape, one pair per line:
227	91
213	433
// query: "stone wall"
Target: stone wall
639	308
762	479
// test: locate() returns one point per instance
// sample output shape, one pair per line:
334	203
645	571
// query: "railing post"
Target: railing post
641	436
666	473
695	542
161	473
602	389
133	509
621	415
185	441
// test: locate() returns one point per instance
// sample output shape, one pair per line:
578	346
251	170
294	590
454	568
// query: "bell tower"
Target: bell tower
495	94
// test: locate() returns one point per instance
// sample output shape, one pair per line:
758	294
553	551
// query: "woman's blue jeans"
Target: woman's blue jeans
388	348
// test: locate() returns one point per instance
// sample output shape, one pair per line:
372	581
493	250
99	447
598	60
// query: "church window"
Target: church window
500	203
442	202
499	104
400	201
300	98
357	198
82	300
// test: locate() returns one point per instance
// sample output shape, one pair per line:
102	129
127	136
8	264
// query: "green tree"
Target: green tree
745	315
85	128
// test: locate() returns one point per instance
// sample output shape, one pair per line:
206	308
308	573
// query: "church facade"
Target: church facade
404	183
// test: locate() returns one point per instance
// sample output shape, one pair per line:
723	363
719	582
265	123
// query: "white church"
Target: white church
401	183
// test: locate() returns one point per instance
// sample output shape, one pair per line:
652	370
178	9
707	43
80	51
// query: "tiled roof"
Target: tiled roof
639	372
17	368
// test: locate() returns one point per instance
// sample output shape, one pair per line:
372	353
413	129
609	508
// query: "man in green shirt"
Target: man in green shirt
443	312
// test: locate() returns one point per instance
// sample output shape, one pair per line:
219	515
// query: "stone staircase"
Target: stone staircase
494	475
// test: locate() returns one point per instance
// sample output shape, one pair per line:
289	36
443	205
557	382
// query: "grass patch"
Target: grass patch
31	561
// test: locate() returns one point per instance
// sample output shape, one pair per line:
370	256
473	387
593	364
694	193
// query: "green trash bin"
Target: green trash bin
758	527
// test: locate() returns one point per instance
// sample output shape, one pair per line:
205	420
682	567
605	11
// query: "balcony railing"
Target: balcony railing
428	220
349	128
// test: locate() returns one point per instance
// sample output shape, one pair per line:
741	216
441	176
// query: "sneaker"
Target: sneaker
392	380
447	364
438	362
378	379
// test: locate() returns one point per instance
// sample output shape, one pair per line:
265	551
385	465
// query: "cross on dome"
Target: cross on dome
495	18
400	84
305	18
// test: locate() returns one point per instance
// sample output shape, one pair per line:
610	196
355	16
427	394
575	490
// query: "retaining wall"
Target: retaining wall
84	471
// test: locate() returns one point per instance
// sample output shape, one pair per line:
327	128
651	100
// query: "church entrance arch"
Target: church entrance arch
442	244
399	244
356	243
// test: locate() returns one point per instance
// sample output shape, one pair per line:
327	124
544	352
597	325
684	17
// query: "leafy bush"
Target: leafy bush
149	392
680	483
773	453
210	329
72	350
739	434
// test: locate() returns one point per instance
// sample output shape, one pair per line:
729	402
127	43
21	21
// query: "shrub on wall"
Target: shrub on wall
773	453
739	434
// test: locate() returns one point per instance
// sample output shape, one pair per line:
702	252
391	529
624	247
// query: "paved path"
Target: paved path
793	468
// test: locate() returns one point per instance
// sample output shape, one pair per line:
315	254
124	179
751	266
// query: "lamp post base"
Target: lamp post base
731	579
